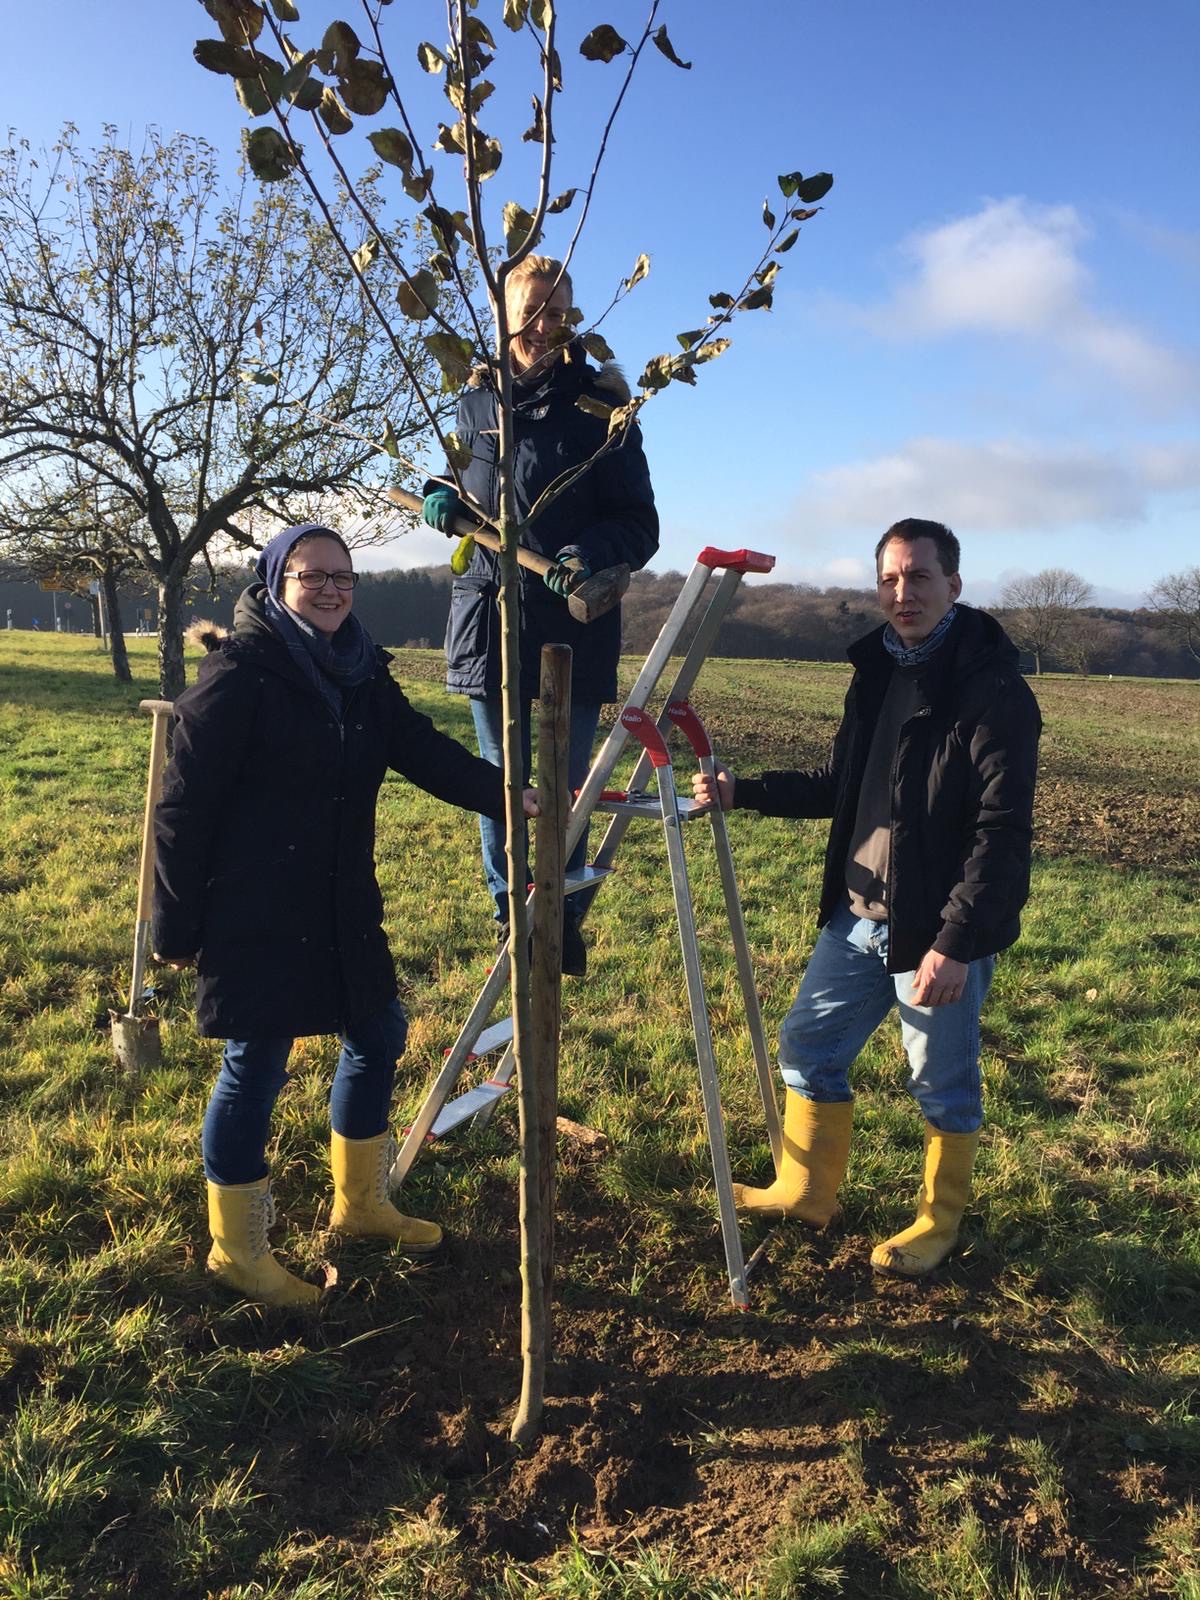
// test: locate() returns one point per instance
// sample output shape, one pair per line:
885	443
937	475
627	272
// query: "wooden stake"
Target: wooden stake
539	1085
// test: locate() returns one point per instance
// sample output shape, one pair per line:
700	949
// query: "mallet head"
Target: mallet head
599	593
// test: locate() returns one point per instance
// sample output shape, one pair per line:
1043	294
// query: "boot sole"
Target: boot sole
424	1251
890	1270
306	1304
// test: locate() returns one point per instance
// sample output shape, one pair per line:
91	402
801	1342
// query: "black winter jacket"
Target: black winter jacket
961	801
607	516
265	835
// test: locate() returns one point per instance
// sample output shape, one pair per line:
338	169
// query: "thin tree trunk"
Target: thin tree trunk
510	711
539	1081
116	628
171	678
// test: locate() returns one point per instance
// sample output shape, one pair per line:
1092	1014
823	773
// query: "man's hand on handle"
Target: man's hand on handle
440	509
566	574
940	981
711	792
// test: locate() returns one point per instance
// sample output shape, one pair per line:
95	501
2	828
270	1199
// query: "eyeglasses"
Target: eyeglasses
318	580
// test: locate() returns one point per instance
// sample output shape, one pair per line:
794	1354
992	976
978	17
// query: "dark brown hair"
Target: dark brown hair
948	552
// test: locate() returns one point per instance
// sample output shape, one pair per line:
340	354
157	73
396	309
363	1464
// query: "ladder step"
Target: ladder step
464	1108
493	1038
584	878
649	805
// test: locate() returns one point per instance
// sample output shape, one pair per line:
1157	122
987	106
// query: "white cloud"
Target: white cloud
419	547
848	570
1014	268
1009	268
996	486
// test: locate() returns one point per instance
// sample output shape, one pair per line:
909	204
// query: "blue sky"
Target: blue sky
992	322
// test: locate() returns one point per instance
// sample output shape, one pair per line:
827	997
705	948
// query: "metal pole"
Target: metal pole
643	729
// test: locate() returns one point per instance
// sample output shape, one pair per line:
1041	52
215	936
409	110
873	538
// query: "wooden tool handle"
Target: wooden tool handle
161	710
479	531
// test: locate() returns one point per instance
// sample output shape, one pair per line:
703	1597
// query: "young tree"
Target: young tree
1039	610
319	88
1177	597
203	361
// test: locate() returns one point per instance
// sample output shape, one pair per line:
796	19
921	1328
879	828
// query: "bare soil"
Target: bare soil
837	1392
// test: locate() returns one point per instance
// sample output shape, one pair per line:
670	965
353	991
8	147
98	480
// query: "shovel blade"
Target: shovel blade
137	1042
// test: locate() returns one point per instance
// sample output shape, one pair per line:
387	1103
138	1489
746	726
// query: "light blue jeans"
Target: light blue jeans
237	1123
845	994
489	731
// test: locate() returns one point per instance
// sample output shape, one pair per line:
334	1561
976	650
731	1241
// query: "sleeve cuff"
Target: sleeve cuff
956	942
749	794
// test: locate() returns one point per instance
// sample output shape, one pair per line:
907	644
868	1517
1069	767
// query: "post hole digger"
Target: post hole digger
135	1036
586	600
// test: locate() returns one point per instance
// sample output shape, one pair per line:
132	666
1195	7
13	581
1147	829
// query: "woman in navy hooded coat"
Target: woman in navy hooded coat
265	878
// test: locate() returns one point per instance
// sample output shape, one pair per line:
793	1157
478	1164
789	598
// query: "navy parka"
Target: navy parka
265	835
607	516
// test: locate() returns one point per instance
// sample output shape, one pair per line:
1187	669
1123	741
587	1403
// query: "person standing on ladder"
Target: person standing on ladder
606	517
930	787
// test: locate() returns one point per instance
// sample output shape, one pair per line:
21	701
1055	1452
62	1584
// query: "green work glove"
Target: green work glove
567	573
440	509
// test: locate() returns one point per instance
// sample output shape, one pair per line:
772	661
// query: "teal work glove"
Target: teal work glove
567	573
440	509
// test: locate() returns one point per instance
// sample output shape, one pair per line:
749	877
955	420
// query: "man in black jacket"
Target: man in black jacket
930	787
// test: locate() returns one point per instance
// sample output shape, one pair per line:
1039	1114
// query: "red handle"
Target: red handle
683	715
737	560
642	728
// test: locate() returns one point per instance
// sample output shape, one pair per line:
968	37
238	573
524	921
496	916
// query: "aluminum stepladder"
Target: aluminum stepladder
438	1114
674	813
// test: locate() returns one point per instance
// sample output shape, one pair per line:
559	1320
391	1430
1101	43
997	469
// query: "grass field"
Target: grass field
1023	1425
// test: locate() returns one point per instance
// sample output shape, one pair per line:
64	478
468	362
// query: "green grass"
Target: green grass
1025	1426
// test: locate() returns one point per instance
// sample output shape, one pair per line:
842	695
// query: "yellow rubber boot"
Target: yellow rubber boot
816	1147
949	1158
239	1216
360	1196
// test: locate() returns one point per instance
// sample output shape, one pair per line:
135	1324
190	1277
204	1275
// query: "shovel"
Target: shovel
136	1041
586	600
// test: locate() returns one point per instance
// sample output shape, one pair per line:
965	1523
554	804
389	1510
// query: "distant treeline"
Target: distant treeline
778	621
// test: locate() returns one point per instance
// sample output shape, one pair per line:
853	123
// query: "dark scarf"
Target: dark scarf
332	664
917	655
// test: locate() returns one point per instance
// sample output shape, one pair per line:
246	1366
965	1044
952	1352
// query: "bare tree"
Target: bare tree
1177	597
1079	642
203	361
1039	609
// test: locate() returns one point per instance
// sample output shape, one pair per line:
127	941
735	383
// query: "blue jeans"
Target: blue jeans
489	731
845	994
237	1123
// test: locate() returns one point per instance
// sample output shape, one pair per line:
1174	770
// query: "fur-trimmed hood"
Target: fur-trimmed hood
204	632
